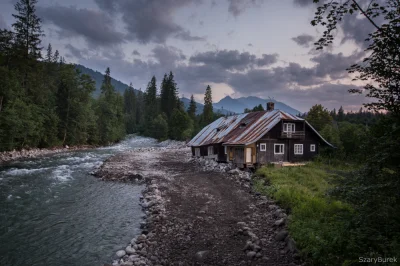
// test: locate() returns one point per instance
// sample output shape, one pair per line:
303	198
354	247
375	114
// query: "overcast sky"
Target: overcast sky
240	47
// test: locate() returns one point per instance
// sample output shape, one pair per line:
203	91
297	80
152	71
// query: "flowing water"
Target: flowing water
52	212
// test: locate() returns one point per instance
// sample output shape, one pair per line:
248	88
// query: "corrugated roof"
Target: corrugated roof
216	131
243	129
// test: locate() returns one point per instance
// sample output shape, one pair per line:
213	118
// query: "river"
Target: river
53	212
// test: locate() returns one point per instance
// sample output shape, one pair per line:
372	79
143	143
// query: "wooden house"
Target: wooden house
258	138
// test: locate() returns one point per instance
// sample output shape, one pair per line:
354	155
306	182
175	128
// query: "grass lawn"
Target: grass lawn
317	222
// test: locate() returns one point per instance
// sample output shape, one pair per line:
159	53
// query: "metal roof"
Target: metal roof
216	131
243	129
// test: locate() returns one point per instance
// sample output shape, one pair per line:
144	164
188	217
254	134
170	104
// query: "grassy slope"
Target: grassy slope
316	221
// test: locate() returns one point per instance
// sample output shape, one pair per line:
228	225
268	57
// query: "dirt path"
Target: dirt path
198	217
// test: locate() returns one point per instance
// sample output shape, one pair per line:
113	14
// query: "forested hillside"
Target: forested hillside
46	102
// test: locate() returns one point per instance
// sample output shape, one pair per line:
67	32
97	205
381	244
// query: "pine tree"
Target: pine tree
111	113
49	54
169	95
208	113
28	29
340	115
130	109
192	108
56	56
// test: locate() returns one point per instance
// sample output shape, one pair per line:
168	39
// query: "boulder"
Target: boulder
120	253
202	255
130	250
280	236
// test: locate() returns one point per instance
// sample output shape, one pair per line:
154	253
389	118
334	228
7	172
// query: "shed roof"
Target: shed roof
243	129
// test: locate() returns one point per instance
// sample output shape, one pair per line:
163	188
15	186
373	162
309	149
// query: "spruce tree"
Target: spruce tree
49	54
27	28
192	108
340	115
130	109
208	113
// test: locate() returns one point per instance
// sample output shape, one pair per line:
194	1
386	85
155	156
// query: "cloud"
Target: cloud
303	3
78	53
237	7
135	52
150	21
3	24
303	40
168	55
233	59
335	65
249	44
357	29
96	27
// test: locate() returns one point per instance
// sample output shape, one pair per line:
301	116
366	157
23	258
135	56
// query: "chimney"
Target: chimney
270	106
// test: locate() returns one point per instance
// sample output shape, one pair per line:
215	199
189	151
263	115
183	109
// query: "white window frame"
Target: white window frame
226	149
312	147
286	127
297	149
210	148
263	146
283	148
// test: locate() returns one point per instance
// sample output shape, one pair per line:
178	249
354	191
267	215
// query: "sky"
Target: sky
239	47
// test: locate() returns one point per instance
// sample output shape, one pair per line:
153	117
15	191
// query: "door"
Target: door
248	155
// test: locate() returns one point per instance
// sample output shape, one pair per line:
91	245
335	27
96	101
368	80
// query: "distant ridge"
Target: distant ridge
98	78
225	106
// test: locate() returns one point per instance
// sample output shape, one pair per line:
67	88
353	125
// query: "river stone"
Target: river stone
133	241
120	253
130	250
127	263
280	236
251	254
280	222
202	255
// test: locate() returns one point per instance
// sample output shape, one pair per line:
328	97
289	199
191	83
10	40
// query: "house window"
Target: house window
197	152
263	147
210	150
279	148
312	147
225	149
298	148
289	127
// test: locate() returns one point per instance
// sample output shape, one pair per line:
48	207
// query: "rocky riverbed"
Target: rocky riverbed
199	212
8	156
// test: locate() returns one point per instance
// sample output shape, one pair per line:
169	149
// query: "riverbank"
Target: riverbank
199	213
8	156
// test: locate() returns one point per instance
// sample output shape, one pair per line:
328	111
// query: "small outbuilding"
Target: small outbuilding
257	138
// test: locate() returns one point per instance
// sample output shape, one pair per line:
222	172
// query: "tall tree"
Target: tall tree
192	108
27	28
340	115
208	113
49	54
111	115
318	116
130	109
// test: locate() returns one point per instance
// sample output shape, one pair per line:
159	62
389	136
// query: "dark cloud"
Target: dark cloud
303	3
78	53
135	52
249	44
237	7
335	65
149	21
303	40
357	29
233	59
94	26
3	24
168	55
267	59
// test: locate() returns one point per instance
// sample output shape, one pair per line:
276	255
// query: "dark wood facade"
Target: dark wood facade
303	135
